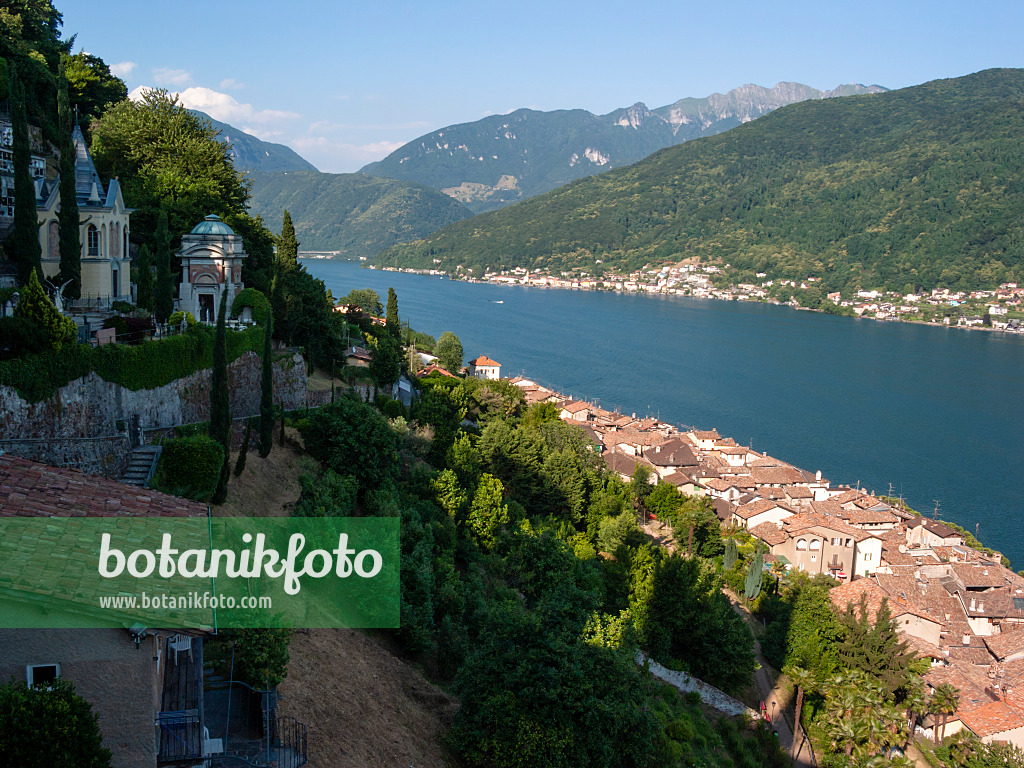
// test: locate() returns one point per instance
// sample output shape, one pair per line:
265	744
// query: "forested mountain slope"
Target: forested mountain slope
353	214
912	188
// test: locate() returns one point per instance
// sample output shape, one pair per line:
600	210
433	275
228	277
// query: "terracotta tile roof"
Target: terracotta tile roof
678	478
28	488
575	406
758	507
979	576
934	526
485	361
805	520
1006	644
775	475
770	533
869	516
431	369
798	492
892	555
970	655
723	509
992	718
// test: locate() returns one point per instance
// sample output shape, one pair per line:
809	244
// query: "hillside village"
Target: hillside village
997	310
957	606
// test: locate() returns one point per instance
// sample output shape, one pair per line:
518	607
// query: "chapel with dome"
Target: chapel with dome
211	263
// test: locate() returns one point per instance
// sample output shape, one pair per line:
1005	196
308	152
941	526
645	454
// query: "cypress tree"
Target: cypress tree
24	240
287	245
144	297
267	391
164	289
752	585
220	402
70	228
392	322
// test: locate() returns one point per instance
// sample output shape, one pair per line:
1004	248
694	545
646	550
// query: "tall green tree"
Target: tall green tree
23	243
91	86
167	157
488	511
52	726
288	245
393	324
164	289
144	295
875	649
731	554
755	576
449	352
267	390
67	216
386	362
35	307
944	702
220	402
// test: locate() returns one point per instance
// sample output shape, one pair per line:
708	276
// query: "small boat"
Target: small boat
497	302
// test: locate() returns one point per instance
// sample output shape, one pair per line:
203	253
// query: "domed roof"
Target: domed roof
212	225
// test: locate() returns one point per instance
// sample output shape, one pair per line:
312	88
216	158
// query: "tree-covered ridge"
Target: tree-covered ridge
921	187
351	213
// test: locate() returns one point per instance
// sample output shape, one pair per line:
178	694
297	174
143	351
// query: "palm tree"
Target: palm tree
915	702
945	700
803	680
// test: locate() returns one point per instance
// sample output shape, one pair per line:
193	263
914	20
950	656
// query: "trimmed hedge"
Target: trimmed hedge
144	366
190	467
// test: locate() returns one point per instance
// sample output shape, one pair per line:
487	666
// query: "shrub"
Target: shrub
190	467
122	306
250	297
175	320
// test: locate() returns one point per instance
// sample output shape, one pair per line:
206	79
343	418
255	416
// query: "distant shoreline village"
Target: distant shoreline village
995	310
956	605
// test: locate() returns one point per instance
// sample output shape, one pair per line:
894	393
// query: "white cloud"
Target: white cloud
167	77
122	69
230	84
227	109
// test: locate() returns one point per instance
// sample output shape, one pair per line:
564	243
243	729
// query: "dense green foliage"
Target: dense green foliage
918	187
163	298
503	593
35	307
255	300
144	280
23	243
42	727
166	157
261	654
449	352
91	86
353	214
30	43
190	467
143	366
267	389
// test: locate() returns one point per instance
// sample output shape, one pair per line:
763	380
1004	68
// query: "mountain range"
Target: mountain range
252	154
503	159
909	189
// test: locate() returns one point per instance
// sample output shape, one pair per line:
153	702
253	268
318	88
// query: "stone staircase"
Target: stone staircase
142	465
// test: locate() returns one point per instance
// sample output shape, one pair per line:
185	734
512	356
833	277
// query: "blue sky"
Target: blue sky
345	83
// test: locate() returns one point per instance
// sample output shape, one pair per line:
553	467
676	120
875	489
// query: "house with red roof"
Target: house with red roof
484	368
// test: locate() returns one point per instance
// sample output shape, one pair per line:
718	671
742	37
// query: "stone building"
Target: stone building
103	229
211	263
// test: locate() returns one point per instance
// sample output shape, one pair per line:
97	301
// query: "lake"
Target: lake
935	413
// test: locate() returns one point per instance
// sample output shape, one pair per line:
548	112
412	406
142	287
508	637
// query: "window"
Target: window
849	542
41	674
801	544
867	557
814	558
93	240
815	544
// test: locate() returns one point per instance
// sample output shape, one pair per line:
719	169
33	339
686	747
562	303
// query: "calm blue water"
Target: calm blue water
936	412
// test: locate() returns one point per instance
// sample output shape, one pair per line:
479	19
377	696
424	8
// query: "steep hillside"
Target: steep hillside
353	214
503	159
252	154
918	187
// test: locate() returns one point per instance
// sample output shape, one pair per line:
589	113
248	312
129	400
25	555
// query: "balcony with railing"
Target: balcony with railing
180	720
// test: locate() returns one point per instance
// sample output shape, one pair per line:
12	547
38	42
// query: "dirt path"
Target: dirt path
773	692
